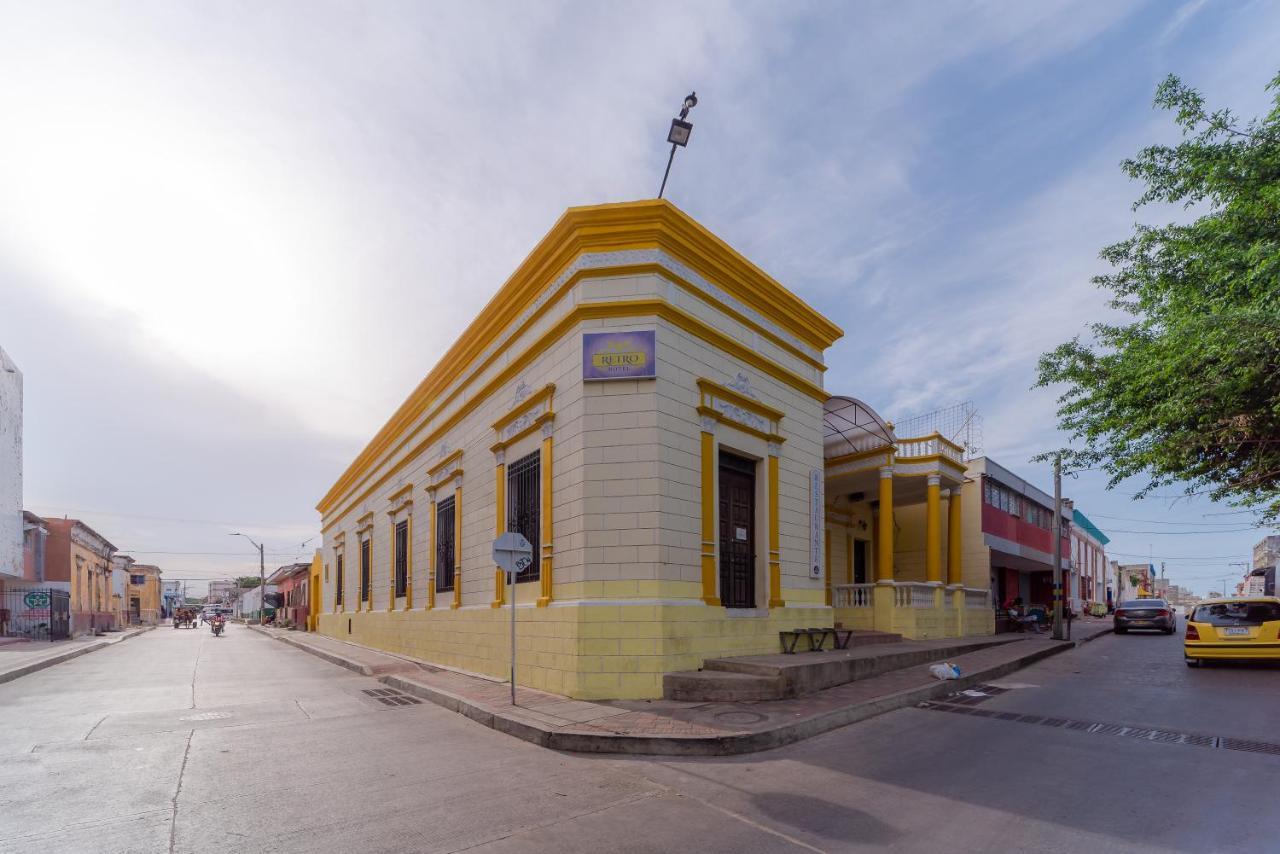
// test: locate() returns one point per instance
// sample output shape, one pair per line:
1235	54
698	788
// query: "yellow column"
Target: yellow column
408	564
933	531
391	593
775	551
884	534
709	517
548	530
955	571
500	524
431	553
457	544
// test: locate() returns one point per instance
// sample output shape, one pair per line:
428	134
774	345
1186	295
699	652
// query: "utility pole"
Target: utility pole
1057	547
262	578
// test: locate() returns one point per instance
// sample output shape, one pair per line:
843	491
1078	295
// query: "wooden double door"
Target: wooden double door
737	531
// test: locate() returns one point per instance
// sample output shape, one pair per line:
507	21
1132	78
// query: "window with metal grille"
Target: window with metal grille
402	558
446	554
337	580
366	570
524	506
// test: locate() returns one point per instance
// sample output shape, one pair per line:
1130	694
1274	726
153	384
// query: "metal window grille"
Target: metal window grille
366	570
337	581
446	553
524	506
402	558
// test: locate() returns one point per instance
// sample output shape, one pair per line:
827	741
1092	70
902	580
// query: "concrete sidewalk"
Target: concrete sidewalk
19	659
672	728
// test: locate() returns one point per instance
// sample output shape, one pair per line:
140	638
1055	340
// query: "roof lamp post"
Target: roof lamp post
679	134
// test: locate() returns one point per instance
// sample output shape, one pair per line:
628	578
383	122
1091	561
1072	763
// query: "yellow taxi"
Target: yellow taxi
1247	628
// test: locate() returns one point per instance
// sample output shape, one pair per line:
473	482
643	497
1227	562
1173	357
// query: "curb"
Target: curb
362	669
693	745
17	672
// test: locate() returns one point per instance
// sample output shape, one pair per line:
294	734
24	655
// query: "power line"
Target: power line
1175	533
214	522
1159	521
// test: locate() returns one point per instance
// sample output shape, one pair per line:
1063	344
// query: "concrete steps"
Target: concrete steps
779	676
719	686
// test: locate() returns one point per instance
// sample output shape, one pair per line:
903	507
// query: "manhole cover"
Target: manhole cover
740	717
206	716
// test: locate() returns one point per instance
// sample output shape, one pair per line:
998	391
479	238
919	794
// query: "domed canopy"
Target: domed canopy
849	426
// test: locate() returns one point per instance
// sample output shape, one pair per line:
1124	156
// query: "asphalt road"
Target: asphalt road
177	741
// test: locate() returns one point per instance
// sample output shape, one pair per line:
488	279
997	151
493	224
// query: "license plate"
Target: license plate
1141	622
1238	630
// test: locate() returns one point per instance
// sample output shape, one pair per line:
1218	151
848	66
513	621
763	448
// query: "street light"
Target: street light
262	578
679	134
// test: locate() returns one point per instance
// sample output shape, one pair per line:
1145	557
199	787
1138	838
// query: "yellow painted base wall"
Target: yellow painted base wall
585	651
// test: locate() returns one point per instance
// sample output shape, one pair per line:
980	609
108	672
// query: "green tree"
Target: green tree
247	582
1187	391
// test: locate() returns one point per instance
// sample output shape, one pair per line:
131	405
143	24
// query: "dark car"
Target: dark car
1153	614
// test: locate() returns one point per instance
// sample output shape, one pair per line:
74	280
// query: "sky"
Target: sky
234	236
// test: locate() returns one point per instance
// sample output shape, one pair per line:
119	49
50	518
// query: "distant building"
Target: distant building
78	559
1135	580
171	597
34	535
222	591
121	564
249	605
1010	537
1089	565
144	597
11	519
294	585
1266	552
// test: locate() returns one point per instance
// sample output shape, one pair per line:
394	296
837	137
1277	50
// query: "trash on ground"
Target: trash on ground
945	670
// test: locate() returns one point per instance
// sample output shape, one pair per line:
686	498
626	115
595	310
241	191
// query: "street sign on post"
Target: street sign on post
513	554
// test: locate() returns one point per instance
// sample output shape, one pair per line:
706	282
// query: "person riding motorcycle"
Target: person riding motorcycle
217	623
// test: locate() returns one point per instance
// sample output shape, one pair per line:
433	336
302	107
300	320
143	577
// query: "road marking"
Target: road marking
1161	736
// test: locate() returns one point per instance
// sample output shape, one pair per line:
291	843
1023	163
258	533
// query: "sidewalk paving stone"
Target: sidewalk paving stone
664	727
19	659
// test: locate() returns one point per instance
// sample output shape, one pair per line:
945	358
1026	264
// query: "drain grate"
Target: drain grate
391	697
1099	728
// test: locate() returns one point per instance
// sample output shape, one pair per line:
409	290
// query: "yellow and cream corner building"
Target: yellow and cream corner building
646	406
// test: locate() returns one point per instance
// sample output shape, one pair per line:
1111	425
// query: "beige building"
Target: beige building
143	595
646	407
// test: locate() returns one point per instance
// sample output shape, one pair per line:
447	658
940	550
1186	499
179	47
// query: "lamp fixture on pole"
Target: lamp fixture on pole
679	134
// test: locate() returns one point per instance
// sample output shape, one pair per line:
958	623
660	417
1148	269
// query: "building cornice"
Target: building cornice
649	224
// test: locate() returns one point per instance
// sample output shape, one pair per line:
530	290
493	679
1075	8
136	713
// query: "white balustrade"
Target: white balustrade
977	597
910	594
851	595
929	446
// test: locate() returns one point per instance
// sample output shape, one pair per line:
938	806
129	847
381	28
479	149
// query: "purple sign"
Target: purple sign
618	355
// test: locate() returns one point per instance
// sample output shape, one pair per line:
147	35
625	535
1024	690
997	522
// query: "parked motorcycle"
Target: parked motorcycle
216	625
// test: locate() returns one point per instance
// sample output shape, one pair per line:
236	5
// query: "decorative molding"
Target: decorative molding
500	456
548	428
402	492
775	449
364	523
536	412
446	470
742	384
523	390
708	424
731	406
